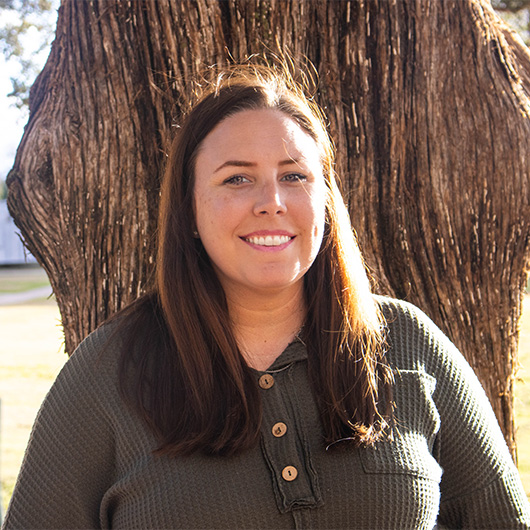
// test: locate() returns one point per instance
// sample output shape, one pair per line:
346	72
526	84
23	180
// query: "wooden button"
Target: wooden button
279	429
266	381
289	473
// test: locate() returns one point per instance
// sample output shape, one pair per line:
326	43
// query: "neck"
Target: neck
265	323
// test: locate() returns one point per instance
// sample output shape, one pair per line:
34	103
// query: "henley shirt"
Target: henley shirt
90	461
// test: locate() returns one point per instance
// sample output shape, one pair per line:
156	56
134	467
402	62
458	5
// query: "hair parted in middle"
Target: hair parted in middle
205	396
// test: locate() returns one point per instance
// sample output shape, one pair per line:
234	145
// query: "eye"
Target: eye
294	177
236	180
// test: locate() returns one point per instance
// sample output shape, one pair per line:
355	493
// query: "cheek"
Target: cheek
206	210
319	213
313	216
215	214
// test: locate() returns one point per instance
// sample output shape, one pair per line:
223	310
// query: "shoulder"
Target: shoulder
97	355
72	448
415	341
136	327
418	349
92	374
87	383
403	317
416	344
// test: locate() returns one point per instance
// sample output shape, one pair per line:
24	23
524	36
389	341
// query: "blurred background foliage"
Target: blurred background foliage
27	29
516	13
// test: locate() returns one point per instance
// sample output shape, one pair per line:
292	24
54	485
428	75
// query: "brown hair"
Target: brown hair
187	377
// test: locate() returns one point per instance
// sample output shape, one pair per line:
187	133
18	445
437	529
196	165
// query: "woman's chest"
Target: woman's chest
289	480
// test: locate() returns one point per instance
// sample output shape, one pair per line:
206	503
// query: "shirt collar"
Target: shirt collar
296	351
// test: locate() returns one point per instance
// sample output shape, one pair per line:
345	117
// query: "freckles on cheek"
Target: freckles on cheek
202	206
214	212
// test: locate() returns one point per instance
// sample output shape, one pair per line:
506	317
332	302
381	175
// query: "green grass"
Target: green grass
18	286
16	280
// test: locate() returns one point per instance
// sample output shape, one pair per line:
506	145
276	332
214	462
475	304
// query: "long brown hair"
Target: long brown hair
182	369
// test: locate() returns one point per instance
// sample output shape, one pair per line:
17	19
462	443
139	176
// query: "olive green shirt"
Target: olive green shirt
90	461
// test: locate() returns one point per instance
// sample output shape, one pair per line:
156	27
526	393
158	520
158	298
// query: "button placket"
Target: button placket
281	443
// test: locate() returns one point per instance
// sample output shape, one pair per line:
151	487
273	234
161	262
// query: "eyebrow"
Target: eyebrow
244	163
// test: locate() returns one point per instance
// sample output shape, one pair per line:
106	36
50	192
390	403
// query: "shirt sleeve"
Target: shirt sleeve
68	463
480	485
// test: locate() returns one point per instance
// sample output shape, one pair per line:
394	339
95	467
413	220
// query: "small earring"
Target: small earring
196	234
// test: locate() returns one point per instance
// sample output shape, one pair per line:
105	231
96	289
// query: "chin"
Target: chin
276	284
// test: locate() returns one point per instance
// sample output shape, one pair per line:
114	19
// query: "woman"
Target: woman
261	384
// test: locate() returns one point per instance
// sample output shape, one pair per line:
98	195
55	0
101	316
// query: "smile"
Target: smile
268	241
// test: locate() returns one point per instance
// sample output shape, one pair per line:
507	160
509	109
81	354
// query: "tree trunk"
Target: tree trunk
429	106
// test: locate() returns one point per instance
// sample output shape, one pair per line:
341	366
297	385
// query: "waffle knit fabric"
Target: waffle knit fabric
90	462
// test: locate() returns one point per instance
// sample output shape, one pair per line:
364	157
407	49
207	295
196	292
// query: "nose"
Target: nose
269	200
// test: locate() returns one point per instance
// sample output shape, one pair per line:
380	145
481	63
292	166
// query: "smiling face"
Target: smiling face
259	199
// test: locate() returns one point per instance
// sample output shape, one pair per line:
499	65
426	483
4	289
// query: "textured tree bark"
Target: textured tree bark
429	106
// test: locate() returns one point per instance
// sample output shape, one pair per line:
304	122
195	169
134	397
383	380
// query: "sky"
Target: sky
13	120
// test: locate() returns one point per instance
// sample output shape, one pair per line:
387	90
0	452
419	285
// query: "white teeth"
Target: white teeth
269	241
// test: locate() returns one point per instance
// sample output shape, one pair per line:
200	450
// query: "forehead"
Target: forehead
259	133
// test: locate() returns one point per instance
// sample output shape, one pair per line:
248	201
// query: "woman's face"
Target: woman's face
259	200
